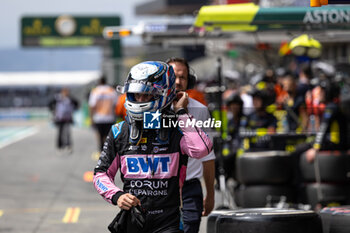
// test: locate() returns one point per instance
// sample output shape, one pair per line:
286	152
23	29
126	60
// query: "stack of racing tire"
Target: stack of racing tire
332	169
264	177
264	220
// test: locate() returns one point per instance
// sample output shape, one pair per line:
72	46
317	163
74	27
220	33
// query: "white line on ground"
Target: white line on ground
18	136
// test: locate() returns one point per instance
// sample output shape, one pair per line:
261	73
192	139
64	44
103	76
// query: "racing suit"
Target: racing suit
151	171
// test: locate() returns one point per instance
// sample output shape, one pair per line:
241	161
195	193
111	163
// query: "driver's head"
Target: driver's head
149	87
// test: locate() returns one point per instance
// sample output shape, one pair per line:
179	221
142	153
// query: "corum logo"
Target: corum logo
151	120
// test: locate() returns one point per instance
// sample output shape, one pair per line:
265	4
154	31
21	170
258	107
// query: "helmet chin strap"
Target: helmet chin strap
163	134
135	129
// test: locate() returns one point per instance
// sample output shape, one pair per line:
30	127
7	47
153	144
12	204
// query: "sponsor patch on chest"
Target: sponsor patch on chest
148	164
154	166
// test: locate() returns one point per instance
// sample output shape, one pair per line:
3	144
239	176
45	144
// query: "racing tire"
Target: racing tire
331	194
336	219
265	167
269	220
253	196
333	166
212	217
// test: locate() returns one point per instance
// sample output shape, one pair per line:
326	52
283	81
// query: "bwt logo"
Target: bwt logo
151	120
101	186
146	165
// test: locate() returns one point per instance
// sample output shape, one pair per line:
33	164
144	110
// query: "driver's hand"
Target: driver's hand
127	200
181	101
310	155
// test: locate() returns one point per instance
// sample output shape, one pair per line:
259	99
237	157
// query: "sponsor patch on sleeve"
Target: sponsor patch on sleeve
117	128
101	186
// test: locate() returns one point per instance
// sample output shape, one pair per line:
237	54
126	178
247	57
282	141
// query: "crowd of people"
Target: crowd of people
298	111
307	102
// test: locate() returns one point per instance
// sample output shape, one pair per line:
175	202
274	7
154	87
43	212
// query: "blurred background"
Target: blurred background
36	59
31	71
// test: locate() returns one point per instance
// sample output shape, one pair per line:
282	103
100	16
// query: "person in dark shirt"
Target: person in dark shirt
259	122
293	102
63	106
332	131
236	119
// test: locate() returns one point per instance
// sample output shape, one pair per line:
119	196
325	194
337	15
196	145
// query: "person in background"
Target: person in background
194	206
63	106
294	105
268	84
280	92
197	95
304	79
247	99
331	133
260	122
102	100
236	120
120	110
332	123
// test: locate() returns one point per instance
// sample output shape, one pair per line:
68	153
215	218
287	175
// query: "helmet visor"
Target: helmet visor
141	88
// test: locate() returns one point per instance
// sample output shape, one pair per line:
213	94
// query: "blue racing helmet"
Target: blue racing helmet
153	78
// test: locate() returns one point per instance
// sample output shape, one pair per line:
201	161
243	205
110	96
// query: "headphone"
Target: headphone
192	79
332	90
